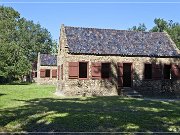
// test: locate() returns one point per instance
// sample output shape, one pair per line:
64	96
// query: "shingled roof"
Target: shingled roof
48	60
119	42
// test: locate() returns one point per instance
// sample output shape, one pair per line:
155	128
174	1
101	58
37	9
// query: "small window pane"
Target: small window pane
47	73
167	71
148	71
105	70
35	74
82	69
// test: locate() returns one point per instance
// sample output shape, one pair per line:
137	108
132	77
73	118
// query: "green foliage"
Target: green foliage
33	39
174	31
161	25
34	108
20	42
172	28
141	27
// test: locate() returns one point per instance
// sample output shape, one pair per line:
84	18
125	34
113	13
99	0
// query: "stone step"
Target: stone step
129	92
134	96
127	88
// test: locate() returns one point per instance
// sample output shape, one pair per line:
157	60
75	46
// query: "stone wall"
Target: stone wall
46	80
109	86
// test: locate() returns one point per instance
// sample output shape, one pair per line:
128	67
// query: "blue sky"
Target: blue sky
99	15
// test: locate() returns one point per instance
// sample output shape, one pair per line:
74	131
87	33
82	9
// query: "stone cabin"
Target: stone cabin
96	61
46	69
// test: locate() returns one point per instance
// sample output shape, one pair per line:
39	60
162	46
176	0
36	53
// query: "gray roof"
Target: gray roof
48	60
119	42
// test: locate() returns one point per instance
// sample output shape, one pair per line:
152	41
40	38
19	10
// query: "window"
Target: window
35	75
78	70
157	71
148	71
82	69
105	70
47	73
167	71
100	70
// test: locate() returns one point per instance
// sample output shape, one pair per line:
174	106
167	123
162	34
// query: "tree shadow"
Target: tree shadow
112	81
17	83
2	94
159	87
95	114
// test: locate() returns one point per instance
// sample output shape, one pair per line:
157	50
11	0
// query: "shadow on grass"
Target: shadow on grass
99	114
19	83
16	83
2	94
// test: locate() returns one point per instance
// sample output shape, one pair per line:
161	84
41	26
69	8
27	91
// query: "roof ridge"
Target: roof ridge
111	29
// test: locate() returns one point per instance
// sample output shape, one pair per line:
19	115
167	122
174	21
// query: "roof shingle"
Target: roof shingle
48	60
119	42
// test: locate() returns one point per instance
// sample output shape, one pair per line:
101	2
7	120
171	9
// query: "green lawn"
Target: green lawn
34	108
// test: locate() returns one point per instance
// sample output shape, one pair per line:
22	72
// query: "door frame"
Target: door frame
132	71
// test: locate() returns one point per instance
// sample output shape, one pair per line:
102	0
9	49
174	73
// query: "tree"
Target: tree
174	32
8	38
34	39
172	28
141	27
160	25
20	42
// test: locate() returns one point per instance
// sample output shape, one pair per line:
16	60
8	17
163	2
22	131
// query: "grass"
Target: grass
34	108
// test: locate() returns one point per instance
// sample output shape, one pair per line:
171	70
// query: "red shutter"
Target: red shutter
120	74
132	71
42	73
54	73
73	70
33	74
58	72
157	71
175	70
96	70
62	71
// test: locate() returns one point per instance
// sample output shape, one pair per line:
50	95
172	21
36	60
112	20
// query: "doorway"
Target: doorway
127	74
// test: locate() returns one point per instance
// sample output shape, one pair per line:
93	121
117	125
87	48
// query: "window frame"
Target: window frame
46	73
110	75
87	70
170	76
77	77
35	74
151	71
